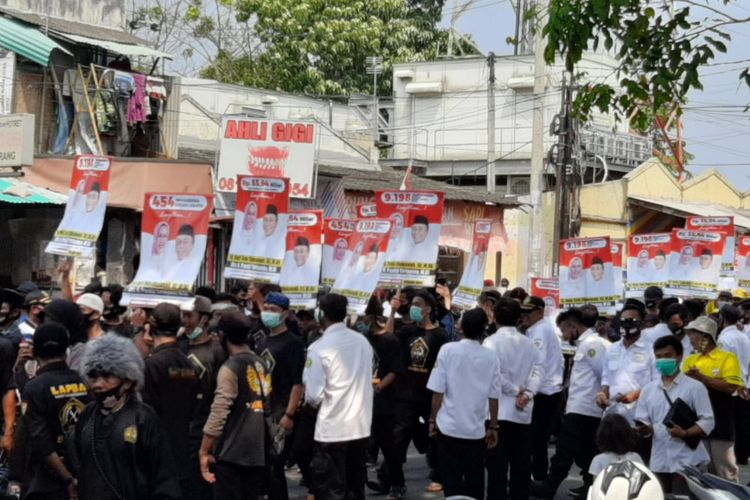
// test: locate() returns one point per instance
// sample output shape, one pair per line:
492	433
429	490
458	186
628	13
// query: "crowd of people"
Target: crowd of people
219	397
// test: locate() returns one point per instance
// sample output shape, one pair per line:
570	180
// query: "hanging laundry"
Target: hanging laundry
137	107
124	83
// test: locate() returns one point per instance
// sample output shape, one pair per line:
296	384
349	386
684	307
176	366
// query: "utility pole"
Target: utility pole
566	172
491	180
536	240
374	68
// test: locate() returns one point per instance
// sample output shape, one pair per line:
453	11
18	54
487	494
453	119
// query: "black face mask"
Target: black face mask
403	311
651	304
676	329
630	328
109	398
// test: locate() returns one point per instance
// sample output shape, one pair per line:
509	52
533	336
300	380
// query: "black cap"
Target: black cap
50	340
27	287
234	326
532	303
13	298
653	293
166	318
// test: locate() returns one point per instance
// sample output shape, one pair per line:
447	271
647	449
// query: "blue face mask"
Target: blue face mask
270	319
195	333
415	313
666	366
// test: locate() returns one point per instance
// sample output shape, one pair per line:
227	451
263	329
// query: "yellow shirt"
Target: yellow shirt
716	364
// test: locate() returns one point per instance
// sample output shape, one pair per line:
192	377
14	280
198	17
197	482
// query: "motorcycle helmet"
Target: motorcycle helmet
626	481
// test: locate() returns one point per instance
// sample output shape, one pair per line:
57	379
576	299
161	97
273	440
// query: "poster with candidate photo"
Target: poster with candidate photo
725	226
84	212
413	248
470	286
174	231
258	245
648	262
548	289
587	274
618	256
300	274
743	262
695	263
360	273
336	250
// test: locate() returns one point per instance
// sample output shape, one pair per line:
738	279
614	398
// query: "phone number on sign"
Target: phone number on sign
297	190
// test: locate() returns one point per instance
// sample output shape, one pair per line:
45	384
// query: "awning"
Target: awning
27	41
687	208
16	191
126	49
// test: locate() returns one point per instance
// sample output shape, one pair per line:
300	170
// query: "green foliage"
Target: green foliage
659	52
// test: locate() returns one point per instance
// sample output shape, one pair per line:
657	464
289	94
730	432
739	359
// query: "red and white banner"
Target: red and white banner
470	286
258	244
743	262
413	248
300	275
336	249
84	213
648	262
723	225
366	210
587	273
359	275
267	148
618	256
174	231
547	289
695	263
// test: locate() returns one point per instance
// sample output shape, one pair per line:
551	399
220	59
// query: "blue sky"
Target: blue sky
717	129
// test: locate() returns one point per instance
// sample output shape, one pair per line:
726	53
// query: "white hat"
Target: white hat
92	301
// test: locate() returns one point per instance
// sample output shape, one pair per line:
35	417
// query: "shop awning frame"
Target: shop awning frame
27	41
126	49
687	208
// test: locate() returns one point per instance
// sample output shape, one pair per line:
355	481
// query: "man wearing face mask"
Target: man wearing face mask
170	386
10	310
284	355
731	339
121	448
652	297
400	303
207	356
629	366
674	318
92	307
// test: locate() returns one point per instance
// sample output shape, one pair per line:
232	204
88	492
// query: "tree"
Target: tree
319	46
660	50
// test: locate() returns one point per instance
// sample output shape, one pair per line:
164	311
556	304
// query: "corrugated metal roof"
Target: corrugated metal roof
17	191
125	49
27	41
702	209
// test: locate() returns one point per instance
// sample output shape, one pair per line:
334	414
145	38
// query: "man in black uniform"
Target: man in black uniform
236	439
170	386
284	355
122	450
51	405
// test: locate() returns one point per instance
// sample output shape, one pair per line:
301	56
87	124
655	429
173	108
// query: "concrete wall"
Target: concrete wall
109	13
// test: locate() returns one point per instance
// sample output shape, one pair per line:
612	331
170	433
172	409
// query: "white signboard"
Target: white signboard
17	144
267	148
7	78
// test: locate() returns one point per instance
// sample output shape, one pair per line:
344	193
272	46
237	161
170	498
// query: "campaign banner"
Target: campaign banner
258	245
470	286
413	248
743	262
366	210
267	148
336	250
300	274
725	226
618	256
587	273
695	263
648	262
84	212
359	275
174	230
547	289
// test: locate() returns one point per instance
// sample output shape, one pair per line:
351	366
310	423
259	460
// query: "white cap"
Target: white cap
92	301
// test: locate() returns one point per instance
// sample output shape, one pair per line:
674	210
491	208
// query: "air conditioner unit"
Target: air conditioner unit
403	74
424	88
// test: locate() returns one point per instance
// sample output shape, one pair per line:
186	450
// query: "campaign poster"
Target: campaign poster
587	273
547	289
174	231
695	263
336	250
743	262
360	273
300	274
84	212
724	225
366	210
258	244
648	262
268	148
618	256
413	248
470	286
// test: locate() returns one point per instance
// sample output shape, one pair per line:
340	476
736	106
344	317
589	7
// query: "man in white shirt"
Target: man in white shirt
466	385
522	373
674	318
674	448
338	381
577	439
541	332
